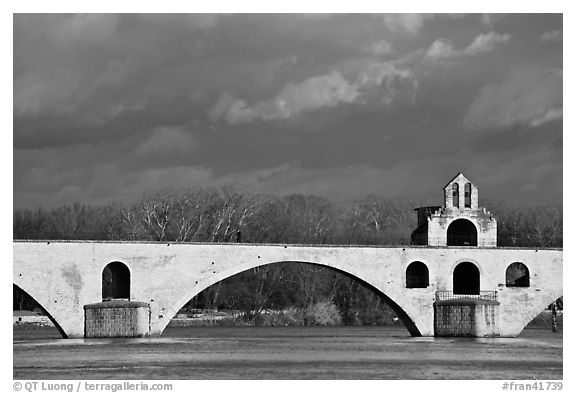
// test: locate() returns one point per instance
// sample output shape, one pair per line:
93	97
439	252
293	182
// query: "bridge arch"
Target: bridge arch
116	279
462	232
399	304
539	304
44	310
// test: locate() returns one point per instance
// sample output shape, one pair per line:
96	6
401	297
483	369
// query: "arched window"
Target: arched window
115	281
466	279
417	275
462	232
467	195
455	195
517	275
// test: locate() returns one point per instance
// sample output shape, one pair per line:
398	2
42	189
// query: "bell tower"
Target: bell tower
460	194
459	222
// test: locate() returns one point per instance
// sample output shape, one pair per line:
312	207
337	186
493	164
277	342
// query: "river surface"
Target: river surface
287	353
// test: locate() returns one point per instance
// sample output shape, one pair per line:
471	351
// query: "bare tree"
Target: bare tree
312	219
191	213
234	207
544	227
156	209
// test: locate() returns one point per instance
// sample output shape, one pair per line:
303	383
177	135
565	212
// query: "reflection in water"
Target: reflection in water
288	353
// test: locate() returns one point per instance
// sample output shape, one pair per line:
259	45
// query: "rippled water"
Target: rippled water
287	353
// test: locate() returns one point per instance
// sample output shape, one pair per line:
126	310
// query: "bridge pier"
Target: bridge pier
466	315
117	318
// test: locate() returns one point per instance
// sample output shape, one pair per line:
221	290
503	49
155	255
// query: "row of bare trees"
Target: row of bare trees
230	214
213	215
225	214
537	226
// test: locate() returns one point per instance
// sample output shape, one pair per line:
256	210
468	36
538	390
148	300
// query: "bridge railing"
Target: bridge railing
484	295
455	240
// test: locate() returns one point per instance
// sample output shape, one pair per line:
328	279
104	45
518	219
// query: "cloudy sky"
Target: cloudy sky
109	106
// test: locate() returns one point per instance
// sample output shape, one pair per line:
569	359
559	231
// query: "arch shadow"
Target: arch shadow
50	317
400	312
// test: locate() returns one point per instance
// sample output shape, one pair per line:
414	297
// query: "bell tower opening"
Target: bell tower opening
455	195
468	195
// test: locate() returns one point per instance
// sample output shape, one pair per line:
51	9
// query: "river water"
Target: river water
287	353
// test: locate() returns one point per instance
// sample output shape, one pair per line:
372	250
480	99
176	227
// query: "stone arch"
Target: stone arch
462	232
417	275
517	275
538	305
115	281
466	279
400	305
44	310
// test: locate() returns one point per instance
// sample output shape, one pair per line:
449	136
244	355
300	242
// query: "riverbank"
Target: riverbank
26	320
294	317
30	319
318	314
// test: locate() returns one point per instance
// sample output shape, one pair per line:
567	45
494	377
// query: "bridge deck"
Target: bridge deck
282	244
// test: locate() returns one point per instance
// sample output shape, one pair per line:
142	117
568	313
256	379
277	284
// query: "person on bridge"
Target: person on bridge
554	310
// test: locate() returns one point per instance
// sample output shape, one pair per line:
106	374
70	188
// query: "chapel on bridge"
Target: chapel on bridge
459	222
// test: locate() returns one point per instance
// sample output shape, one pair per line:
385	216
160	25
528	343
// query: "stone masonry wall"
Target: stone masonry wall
117	319
439	222
466	319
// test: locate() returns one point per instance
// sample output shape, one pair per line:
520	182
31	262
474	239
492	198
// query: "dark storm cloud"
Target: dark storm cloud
109	106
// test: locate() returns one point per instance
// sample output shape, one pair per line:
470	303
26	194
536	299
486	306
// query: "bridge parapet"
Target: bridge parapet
483	295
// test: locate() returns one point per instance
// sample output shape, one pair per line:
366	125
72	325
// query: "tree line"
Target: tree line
231	214
225	214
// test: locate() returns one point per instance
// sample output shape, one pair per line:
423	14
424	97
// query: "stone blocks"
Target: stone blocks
117	318
466	317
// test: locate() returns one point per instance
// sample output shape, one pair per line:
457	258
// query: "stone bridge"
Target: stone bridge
63	276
